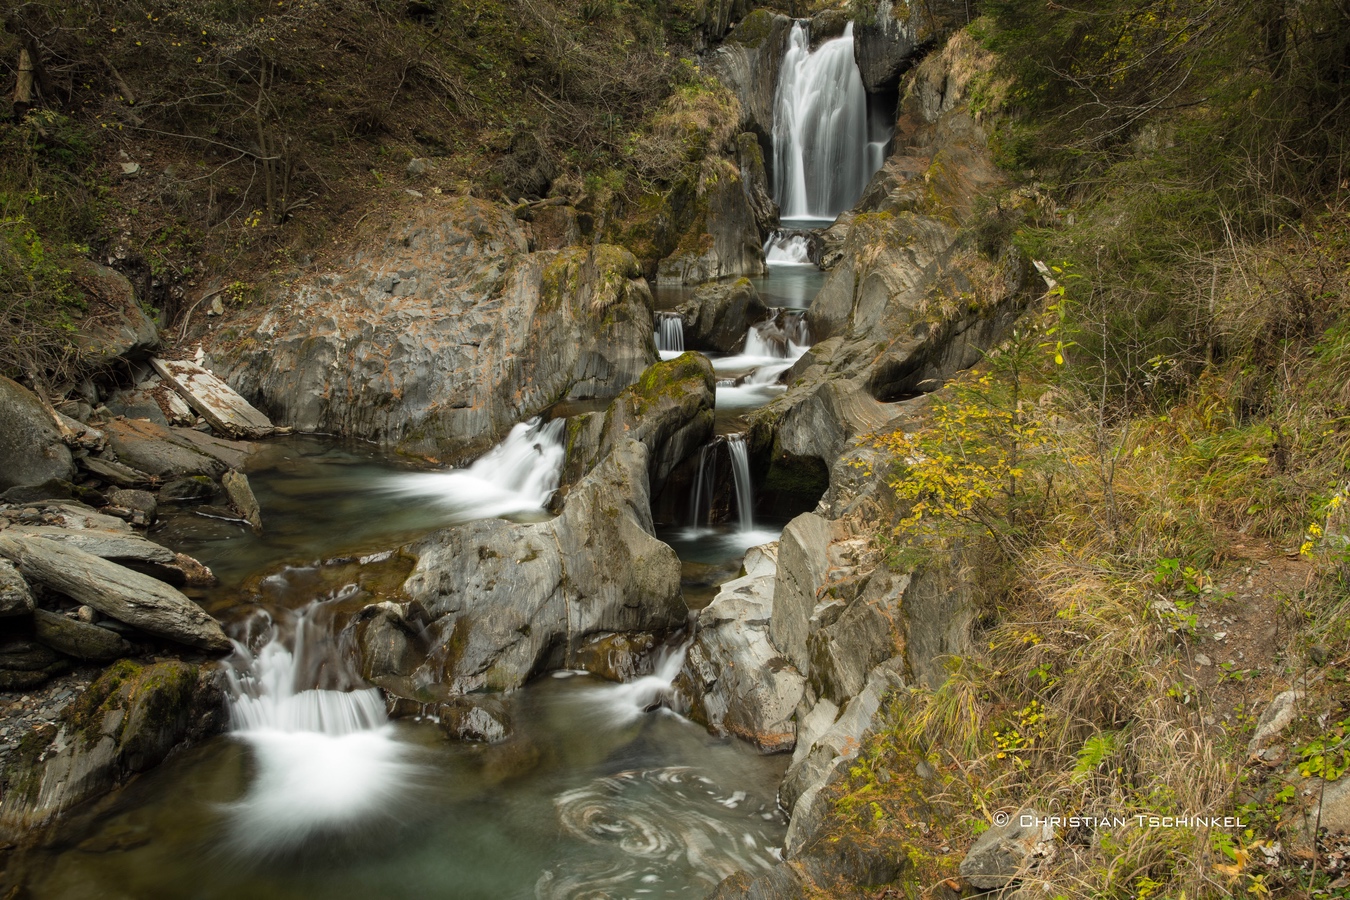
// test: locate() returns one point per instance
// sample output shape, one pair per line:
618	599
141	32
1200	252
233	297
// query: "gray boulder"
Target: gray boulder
669	409
748	63
737	680
509	600
389	643
1008	852
31	450
130	597
720	314
724	239
803	566
438	340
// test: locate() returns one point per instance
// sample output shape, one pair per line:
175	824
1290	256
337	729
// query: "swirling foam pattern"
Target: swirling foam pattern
647	825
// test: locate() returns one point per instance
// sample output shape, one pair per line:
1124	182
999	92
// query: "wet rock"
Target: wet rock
78	639
508	600
485	335
188	489
738	681
616	657
125	722
114	324
669	409
31	449
888	36
754	174
142	502
216	402
720	314
15	597
1005	853
475	718
389	644
127	596
241	498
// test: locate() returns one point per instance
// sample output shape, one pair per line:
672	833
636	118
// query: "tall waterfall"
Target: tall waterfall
822	158
327	760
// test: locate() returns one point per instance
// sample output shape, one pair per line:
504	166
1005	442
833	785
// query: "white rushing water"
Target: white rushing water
822	158
516	477
669	334
326	756
621	704
740	472
787	249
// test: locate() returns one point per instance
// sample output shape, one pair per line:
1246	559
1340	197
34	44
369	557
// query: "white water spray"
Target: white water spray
822	161
740	472
518	476
669	334
787	249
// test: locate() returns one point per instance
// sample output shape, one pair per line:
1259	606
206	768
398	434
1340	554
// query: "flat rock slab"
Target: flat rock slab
213	399
130	597
78	639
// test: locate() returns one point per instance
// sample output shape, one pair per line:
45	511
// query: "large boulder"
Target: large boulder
125	722
669	409
31	451
442	337
113	324
130	597
507	600
146	447
16	599
737	681
723	240
719	315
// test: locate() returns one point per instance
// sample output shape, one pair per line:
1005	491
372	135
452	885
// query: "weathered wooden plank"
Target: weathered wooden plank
213	399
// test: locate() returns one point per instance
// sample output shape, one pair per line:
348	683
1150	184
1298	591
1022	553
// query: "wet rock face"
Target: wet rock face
748	63
438	341
724	239
31	451
719	315
508	600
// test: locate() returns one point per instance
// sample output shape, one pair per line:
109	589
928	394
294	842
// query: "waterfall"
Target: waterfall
700	505
669	334
784	335
327	758
785	248
517	476
822	161
621	704
740	470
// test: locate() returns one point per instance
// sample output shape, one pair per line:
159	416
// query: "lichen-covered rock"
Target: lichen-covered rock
508	600
748	63
447	334
669	409
719	315
31	451
78	639
126	722
723	240
736	679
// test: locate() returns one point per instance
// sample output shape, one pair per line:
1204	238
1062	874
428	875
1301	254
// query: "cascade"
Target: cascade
669	334
822	160
327	759
740	470
784	335
700	505
620	704
785	248
517	476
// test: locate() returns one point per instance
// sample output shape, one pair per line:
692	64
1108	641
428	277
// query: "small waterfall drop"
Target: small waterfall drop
624	703
785	248
822	158
327	758
700	503
740	470
669	334
517	476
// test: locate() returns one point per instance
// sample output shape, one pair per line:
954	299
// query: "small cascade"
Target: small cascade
700	502
788	248
784	335
620	704
740	470
822	161
518	476
669	334
327	758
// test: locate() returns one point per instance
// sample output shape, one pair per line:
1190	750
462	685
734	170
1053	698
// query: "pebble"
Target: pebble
1202	660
